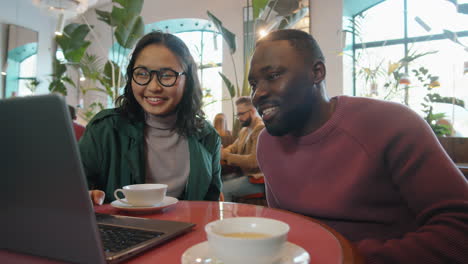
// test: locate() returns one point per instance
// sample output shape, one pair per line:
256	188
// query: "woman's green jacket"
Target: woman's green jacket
112	153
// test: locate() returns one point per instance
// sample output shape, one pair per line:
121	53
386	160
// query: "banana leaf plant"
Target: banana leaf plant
59	78
234	90
73	45
127	27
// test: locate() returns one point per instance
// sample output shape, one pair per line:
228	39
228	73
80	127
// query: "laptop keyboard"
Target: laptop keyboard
116	238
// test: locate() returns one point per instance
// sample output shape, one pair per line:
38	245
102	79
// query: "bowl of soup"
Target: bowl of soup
247	239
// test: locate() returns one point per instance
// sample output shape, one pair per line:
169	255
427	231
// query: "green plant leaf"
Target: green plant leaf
91	67
438	116
57	86
228	36
128	33
105	17
106	79
76	54
133	7
58	68
413	56
79	33
229	85
73	43
257	6
69	81
119	15
246	88
236	127
108	70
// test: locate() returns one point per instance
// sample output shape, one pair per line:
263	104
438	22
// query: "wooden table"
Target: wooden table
324	245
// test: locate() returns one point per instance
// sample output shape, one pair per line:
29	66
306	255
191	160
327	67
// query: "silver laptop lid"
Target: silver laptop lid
48	209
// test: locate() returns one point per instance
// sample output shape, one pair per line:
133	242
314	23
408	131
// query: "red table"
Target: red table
324	245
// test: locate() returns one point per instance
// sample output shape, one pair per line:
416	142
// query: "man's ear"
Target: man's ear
319	71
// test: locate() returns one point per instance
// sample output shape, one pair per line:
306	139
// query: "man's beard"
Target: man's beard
247	122
291	120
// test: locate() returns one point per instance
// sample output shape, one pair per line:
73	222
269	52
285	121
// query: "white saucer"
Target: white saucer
168	201
201	253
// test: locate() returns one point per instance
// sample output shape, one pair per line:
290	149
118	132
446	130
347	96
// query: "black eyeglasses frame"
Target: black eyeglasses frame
241	113
158	75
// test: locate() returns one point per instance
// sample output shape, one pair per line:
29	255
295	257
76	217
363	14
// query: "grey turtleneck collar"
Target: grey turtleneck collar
167	154
161	122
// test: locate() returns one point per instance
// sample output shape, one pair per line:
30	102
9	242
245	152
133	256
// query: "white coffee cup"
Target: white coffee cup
147	194
247	239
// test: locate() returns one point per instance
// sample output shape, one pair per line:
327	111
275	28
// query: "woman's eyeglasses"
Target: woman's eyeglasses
166	77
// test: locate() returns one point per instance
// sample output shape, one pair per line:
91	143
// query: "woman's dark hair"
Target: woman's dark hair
189	113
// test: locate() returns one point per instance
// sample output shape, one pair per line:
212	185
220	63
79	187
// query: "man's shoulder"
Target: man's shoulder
369	120
243	132
367	113
259	126
366	103
264	137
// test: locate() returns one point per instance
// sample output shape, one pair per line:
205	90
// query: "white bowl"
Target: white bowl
242	248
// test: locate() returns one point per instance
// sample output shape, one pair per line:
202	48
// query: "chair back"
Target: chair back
456	148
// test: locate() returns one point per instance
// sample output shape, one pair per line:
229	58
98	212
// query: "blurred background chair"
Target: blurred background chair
255	198
457	149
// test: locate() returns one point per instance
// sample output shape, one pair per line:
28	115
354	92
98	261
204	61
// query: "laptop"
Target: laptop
48	209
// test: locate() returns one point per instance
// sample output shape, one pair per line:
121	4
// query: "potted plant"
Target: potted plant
126	27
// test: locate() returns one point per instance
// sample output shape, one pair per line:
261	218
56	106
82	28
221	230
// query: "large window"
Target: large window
21	72
403	49
27	82
206	49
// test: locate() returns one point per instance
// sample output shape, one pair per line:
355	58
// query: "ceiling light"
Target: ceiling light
4	68
262	33
60	25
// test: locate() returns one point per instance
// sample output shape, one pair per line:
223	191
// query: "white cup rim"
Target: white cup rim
209	228
145	186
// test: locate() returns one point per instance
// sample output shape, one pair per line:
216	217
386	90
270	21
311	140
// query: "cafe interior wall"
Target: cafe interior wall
326	27
23	13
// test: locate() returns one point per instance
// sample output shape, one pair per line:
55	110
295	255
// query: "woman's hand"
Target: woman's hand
97	196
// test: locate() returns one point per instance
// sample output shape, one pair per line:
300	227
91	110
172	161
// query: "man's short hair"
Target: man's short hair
302	41
244	100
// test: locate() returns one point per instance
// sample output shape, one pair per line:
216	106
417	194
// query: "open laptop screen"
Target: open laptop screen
48	210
